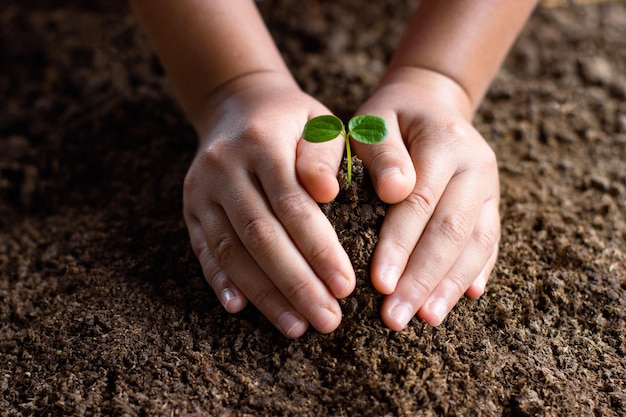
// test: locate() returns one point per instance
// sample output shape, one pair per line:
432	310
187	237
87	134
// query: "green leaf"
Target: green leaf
368	129
322	128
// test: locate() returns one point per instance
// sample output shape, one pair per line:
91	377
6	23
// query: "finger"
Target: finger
477	288
406	221
389	165
226	291
237	264
443	240
317	165
273	249
312	233
477	258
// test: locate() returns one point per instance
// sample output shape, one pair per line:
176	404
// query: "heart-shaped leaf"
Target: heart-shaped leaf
368	129
322	128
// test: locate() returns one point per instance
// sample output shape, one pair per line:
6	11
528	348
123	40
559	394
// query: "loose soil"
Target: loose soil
103	307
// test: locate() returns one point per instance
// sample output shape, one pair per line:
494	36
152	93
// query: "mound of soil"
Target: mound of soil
103	307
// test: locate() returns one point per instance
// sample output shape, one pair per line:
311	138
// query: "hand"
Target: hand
440	237
250	206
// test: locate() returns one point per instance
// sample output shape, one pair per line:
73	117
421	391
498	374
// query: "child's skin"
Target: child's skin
250	196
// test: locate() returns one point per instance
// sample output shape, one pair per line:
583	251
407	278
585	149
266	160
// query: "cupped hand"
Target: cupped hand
440	237
250	204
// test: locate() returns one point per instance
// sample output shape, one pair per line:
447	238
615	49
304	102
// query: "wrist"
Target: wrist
434	87
226	95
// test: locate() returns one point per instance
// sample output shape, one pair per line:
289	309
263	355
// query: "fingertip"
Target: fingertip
318	180
317	166
394	184
326	319
391	168
232	300
292	325
388	264
386	280
435	312
477	288
397	315
342	285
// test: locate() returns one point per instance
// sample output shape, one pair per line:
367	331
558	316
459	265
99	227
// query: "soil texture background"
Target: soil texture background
103	307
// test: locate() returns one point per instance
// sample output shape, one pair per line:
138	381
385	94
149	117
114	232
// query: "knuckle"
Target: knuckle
211	269
422	201
217	280
190	183
256	136
489	159
454	228
263	297
258	233
454	134
212	155
449	132
419	288
317	254
218	155
402	245
225	250
457	134
456	129
202	252
485	240
196	238
486	161
292	207
458	282
207	161
256	131
297	290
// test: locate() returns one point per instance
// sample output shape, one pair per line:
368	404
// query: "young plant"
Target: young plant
365	128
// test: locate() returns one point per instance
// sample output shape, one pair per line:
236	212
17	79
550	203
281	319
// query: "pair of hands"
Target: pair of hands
251	194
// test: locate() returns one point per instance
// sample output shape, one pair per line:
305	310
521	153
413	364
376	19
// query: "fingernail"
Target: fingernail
402	313
339	284
389	278
325	319
387	174
227	296
291	324
439	308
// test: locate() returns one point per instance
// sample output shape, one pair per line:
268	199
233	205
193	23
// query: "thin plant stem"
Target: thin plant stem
348	156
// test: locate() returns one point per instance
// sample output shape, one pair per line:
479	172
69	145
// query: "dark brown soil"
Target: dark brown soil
103	307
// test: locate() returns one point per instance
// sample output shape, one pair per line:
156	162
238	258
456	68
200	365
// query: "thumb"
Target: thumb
317	165
389	164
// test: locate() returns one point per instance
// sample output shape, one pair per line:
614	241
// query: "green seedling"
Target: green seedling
365	128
